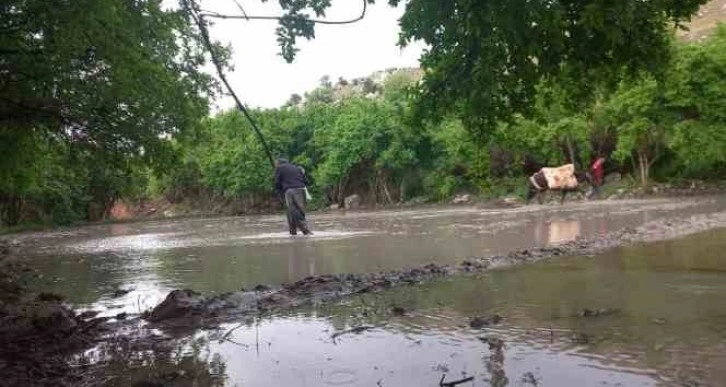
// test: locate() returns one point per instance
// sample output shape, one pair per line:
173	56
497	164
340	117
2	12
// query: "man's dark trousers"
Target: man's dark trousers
295	203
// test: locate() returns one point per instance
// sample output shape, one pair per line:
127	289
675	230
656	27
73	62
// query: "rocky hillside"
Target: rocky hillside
706	20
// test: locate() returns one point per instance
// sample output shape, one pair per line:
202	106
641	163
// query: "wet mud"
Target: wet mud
39	331
189	309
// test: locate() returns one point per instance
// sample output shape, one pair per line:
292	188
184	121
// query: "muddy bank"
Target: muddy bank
189	309
617	189
38	331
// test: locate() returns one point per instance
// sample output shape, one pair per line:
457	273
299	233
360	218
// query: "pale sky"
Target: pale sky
261	78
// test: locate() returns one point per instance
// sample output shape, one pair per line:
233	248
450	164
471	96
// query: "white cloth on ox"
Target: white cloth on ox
533	181
561	177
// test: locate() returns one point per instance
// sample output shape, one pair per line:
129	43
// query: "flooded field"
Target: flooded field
95	266
643	315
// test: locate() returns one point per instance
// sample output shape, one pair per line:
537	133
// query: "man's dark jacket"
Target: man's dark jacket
289	176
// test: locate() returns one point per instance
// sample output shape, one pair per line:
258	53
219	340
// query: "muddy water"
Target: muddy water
90	264
667	327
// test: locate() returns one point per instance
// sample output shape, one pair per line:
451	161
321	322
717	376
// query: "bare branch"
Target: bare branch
199	19
241	9
217	15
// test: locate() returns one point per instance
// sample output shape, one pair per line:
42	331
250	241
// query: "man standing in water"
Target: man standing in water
290	183
597	171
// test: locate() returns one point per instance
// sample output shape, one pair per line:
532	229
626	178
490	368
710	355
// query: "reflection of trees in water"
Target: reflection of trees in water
669	296
495	366
152	362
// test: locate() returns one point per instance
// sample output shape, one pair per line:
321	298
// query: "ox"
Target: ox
563	179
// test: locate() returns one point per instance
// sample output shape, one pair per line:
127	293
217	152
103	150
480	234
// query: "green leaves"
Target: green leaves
486	58
696	92
104	85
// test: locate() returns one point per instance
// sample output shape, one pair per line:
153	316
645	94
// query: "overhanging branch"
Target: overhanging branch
199	19
217	15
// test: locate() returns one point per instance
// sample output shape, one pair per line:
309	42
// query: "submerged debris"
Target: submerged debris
529	379
442	383
355	330
480	322
598	312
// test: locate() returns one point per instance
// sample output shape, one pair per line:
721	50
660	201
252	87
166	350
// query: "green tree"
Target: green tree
101	86
485	59
640	114
696	92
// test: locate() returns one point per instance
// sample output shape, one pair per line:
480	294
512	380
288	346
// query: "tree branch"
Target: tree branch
217	15
199	19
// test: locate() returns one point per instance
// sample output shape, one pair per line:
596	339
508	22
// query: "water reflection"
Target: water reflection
155	362
300	261
556	231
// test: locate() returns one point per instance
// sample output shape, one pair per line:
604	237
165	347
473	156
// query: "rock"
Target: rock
494	342
169	213
611	178
352	201
121	292
398	310
659	321
178	303
461	199
510	200
49	297
122	316
334	207
529	379
89	314
480	322
262	288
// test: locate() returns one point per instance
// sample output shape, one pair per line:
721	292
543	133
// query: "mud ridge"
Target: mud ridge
189	309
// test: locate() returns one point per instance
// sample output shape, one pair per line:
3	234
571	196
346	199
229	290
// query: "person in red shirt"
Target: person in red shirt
597	171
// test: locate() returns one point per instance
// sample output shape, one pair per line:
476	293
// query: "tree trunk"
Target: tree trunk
644	167
341	190
402	192
387	192
571	150
11	210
